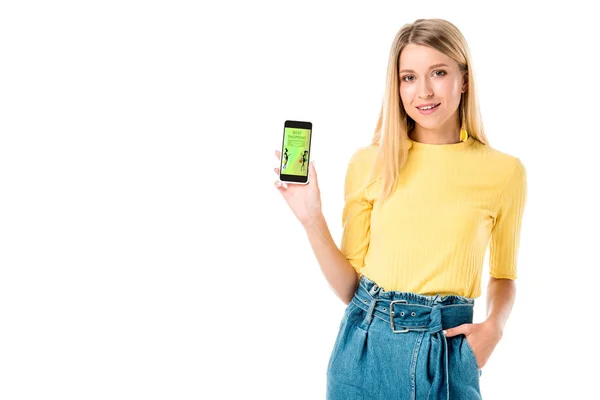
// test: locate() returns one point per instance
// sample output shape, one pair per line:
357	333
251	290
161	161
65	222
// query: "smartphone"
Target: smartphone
295	152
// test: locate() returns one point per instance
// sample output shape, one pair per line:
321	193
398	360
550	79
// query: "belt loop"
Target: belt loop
374	293
370	312
374	290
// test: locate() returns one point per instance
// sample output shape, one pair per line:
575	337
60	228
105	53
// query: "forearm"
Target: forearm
501	295
338	271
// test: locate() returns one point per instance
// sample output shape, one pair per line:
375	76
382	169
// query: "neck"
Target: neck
431	137
448	134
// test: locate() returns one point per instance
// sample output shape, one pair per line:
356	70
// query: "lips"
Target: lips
426	107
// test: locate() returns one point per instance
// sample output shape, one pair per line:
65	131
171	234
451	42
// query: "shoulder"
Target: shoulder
360	167
364	156
498	163
362	161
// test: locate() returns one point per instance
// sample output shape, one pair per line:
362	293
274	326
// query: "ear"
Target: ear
465	82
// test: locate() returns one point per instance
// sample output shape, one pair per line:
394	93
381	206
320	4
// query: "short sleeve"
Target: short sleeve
506	232
356	215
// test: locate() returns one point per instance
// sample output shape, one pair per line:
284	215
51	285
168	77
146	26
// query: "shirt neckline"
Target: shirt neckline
441	147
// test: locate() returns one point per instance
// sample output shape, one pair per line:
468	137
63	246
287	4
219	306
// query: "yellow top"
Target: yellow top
432	234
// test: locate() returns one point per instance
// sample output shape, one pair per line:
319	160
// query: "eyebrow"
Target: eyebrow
432	67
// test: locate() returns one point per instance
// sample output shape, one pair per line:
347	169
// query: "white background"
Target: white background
144	250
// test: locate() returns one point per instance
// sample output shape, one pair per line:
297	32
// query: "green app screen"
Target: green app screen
294	158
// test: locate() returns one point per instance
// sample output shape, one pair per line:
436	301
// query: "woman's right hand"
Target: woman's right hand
304	200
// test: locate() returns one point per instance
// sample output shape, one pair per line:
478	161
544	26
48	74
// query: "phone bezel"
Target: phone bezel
295	178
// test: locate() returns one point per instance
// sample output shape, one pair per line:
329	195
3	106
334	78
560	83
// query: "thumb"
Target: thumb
457	330
312	172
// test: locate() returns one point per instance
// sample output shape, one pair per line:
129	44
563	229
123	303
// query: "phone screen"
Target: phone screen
295	152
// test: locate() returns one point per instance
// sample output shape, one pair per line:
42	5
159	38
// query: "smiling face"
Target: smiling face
430	88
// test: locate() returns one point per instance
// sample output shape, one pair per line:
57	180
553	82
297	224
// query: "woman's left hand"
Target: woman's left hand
482	337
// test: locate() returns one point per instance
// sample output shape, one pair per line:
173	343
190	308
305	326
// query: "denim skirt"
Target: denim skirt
390	345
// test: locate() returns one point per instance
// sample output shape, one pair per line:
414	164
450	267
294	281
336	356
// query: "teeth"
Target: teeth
427	108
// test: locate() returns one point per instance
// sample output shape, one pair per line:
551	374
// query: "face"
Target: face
430	78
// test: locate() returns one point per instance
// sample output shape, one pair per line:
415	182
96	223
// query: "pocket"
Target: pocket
338	339
346	314
349	343
470	352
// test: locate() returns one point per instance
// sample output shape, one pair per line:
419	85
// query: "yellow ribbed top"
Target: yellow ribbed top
431	236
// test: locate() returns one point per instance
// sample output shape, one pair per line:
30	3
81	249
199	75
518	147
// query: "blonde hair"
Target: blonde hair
394	124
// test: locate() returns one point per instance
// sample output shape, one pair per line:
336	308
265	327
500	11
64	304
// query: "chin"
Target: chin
429	125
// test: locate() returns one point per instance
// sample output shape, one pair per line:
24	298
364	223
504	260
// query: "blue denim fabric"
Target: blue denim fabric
404	355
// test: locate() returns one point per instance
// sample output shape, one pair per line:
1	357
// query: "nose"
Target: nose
425	90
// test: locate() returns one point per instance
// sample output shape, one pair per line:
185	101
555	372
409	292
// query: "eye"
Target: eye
404	78
439	72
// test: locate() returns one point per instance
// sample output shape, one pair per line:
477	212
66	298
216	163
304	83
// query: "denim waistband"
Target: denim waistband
412	311
407	311
414	298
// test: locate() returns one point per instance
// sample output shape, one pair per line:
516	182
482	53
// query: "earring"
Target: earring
464	135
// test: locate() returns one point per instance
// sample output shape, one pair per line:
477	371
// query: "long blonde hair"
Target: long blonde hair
394	124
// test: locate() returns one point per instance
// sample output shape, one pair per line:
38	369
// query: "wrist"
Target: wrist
314	221
495	324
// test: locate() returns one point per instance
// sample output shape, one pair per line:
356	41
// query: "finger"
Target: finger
312	172
457	330
279	185
276	170
278	154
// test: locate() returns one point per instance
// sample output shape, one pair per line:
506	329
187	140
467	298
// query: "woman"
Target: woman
422	202
285	158
304	159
